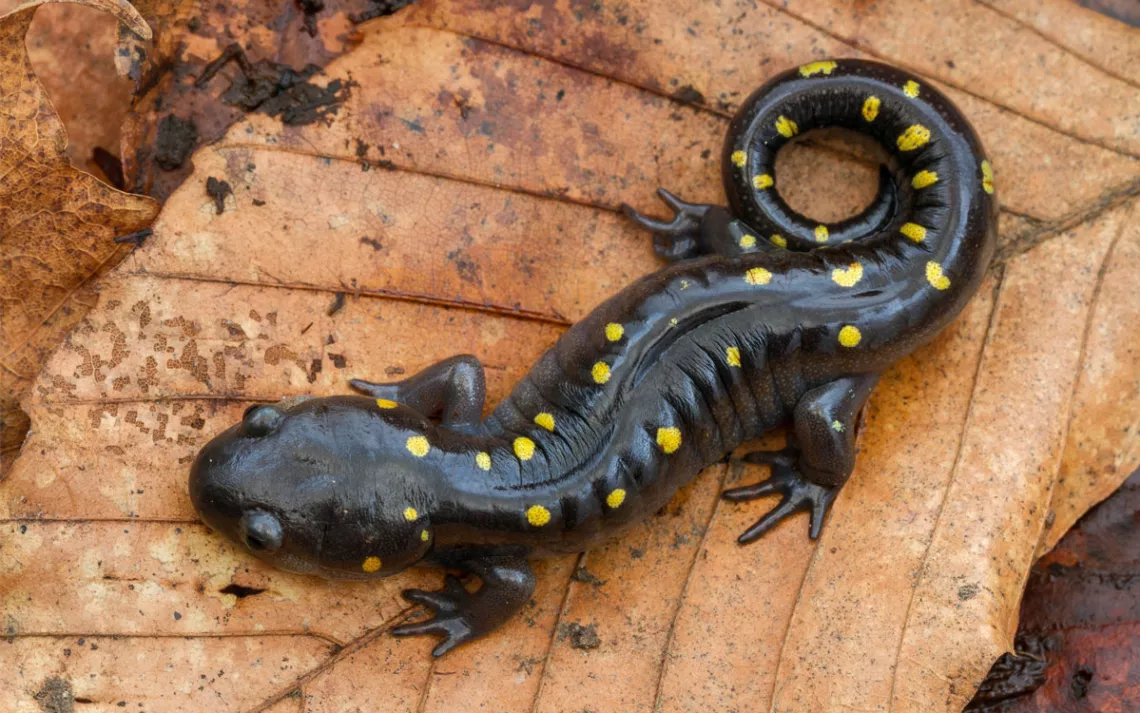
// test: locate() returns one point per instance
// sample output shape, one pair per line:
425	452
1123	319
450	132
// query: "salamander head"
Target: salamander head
336	487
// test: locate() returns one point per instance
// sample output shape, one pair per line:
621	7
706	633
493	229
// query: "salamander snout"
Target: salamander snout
325	486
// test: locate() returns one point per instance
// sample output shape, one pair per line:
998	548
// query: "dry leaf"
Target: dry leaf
57	223
72	51
463	198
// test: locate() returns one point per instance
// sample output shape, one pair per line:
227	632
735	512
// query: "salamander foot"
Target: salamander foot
461	615
799	493
680	238
452	607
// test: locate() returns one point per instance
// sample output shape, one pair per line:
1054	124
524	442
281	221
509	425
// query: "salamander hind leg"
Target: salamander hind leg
453	389
697	229
679	238
818	459
462	616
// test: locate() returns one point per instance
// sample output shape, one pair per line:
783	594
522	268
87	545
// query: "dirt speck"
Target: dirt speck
583	638
967	592
239	591
1082	681
311	8
380	8
176	139
218	190
56	696
689	95
585	576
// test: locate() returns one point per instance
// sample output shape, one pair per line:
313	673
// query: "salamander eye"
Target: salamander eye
260	420
261	531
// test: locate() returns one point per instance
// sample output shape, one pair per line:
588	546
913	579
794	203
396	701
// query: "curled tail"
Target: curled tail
923	244
941	179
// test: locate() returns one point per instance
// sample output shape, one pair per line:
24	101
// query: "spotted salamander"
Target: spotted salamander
764	317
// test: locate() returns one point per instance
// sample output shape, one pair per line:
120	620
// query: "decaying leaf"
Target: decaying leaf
57	223
1078	645
172	116
463	198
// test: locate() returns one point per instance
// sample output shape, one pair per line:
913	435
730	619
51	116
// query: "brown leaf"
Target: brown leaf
463	198
188	35
1077	643
72	51
56	222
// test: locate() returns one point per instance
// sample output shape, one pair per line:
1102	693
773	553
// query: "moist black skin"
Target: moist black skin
764	317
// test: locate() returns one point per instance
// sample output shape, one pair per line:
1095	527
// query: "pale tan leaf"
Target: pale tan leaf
463	198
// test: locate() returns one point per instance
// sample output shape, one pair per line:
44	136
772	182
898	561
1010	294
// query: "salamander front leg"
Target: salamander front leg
818	459
453	389
462	616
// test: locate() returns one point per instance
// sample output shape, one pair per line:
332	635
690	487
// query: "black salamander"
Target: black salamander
764	317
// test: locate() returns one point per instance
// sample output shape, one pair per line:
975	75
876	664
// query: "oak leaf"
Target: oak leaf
463	198
57	223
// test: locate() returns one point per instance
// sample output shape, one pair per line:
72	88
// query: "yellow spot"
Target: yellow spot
757	276
821	234
524	448
732	356
871	108
824	67
787	127
418	446
987	177
837	426
739	159
850	336
483	460
600	372
371	564
778	241
673	322
545	420
537	515
849	276
685	284
922	179
385	403
410	514
424	536
614	331
914	231
911	89
762	182
747	241
669	439
935	277
914	137
615	498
